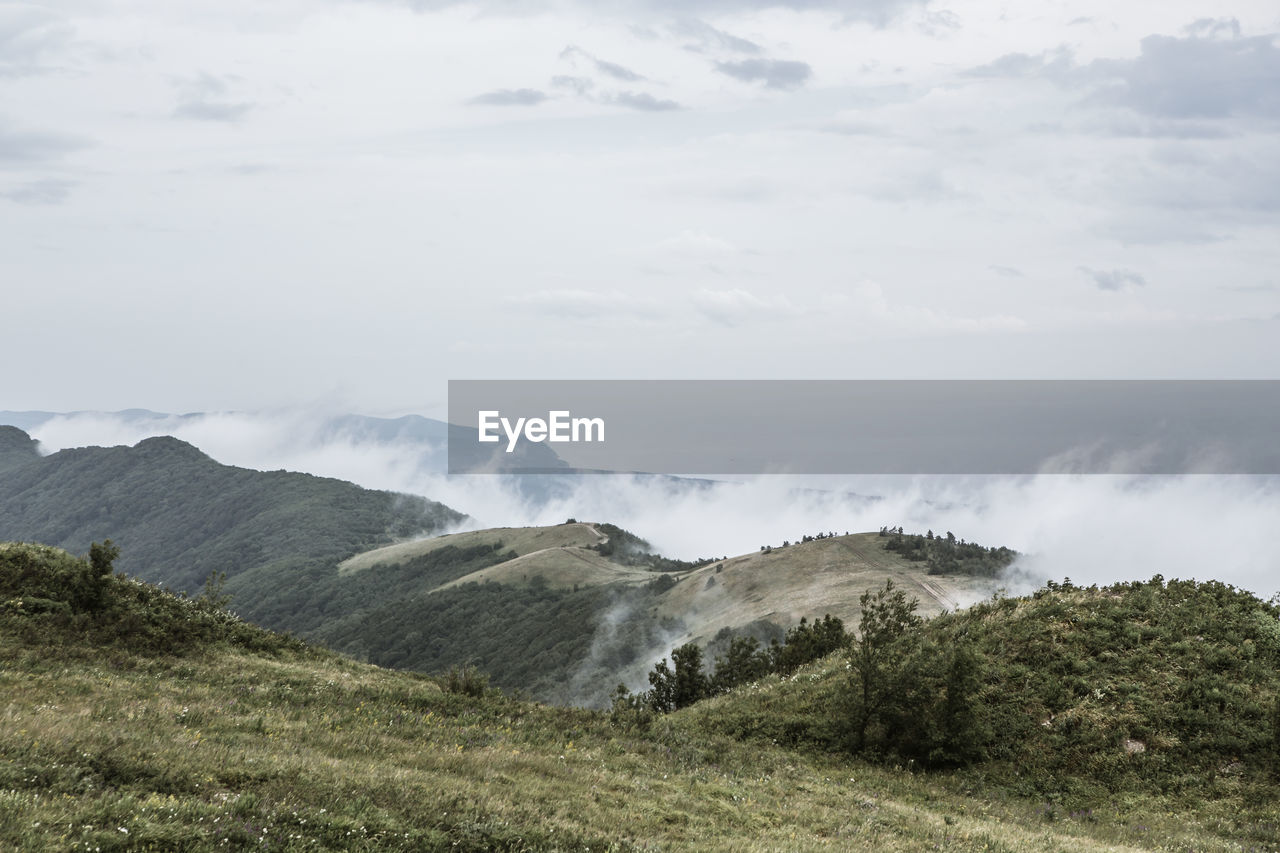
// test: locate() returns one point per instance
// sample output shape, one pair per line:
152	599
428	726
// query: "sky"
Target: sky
232	205
276	211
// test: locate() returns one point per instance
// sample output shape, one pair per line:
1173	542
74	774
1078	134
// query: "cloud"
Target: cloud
708	37
642	101
28	35
27	146
1203	76
609	69
1093	529
846	125
1211	27
589	305
203	98
696	243
878	13
1194	179
873	312
774	73
1008	272
210	111
509	98
580	85
1114	280
1214	73
927	185
1055	64
736	306
618	72
47	191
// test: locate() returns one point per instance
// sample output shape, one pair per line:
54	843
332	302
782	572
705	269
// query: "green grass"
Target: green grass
249	740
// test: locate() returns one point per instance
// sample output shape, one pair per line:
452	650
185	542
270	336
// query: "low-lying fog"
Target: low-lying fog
1093	528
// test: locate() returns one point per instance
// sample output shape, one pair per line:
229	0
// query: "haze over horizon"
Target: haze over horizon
1090	528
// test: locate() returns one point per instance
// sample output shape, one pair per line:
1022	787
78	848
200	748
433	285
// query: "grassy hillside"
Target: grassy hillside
819	576
1073	696
519	540
246	739
590	615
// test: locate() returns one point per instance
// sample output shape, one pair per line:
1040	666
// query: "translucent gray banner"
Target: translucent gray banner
740	427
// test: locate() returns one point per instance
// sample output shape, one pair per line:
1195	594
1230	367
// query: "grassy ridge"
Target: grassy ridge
1151	689
254	740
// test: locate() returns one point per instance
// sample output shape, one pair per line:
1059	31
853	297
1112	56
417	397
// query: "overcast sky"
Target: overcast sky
230	204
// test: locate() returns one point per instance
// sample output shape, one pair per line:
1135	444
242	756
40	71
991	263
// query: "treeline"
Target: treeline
321	598
628	549
904	697
945	555
559	645
806	537
685	681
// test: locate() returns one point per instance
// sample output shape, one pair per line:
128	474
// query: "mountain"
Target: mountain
178	515
16	448
420	444
138	720
589	606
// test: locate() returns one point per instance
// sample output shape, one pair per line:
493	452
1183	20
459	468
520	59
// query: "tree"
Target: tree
97	573
101	557
886	617
1275	737
690	683
963	731
744	662
213	598
808	642
662	684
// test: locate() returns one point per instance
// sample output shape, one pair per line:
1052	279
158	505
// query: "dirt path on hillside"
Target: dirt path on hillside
939	594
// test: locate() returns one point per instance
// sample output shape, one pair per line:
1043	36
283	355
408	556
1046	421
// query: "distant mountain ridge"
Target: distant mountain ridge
178	515
423	442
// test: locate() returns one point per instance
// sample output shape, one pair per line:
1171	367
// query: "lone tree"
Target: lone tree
886	616
101	556
97	573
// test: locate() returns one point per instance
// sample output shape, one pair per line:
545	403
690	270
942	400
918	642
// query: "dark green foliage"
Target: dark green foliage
628	549
1072	693
661	696
964	733
560	645
16	448
1275	736
888	616
808	642
744	662
101	557
179	515
49	598
947	556
690	682
321	598
466	681
630	711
